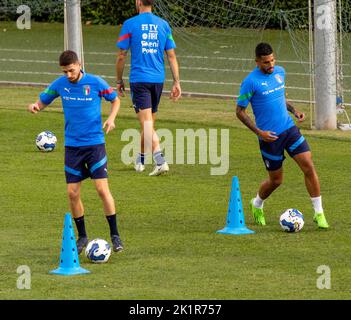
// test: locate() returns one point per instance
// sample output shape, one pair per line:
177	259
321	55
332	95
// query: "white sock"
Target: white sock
317	204
258	202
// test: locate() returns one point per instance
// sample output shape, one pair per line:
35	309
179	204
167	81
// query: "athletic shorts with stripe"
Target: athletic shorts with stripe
290	140
84	162
146	95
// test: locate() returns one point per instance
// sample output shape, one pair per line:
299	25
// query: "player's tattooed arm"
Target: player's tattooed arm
267	136
299	115
246	120
290	108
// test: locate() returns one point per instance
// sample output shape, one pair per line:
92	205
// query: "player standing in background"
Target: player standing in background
148	37
264	88
85	154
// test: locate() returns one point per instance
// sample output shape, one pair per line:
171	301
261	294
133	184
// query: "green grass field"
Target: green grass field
169	223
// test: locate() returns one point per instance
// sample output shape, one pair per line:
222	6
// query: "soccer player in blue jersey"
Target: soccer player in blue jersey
148	37
264	88
85	154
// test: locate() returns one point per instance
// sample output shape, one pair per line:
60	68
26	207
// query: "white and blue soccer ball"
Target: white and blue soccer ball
46	141
292	220
98	251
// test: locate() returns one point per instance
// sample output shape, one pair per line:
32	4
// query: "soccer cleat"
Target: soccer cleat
81	243
116	243
139	167
258	214
319	218
159	169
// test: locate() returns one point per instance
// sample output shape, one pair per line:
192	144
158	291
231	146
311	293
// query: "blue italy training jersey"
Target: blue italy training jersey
81	104
147	36
266	93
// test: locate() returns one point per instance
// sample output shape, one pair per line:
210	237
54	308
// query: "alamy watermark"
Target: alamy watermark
24	280
209	146
24	20
324	280
324	17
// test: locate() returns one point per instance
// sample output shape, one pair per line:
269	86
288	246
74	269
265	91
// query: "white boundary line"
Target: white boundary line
185	94
126	78
115	53
54	62
128	65
180	56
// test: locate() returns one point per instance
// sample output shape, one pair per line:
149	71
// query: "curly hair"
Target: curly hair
263	49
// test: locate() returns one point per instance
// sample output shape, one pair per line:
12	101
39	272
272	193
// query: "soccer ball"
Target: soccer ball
98	251
292	220
46	141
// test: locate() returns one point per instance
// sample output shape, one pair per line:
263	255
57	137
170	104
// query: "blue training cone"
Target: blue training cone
235	217
69	261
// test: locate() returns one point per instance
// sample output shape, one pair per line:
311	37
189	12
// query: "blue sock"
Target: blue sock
159	159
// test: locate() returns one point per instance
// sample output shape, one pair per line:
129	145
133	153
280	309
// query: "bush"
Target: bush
116	12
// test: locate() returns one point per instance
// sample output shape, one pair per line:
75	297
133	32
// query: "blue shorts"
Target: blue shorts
84	162
290	140
146	95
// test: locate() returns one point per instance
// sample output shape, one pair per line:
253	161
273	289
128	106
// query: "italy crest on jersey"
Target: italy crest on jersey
86	90
279	78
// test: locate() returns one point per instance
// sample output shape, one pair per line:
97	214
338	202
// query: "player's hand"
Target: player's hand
176	91
300	116
120	88
268	136
33	108
109	125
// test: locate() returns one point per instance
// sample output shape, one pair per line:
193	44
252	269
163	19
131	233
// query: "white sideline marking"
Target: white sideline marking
167	80
180	56
128	65
184	93
55	62
114	53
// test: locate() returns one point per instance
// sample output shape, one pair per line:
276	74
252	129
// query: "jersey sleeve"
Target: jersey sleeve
170	44
246	93
105	90
50	93
124	38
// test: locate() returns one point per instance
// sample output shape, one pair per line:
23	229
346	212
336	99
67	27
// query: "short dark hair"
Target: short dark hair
263	49
148	2
68	57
